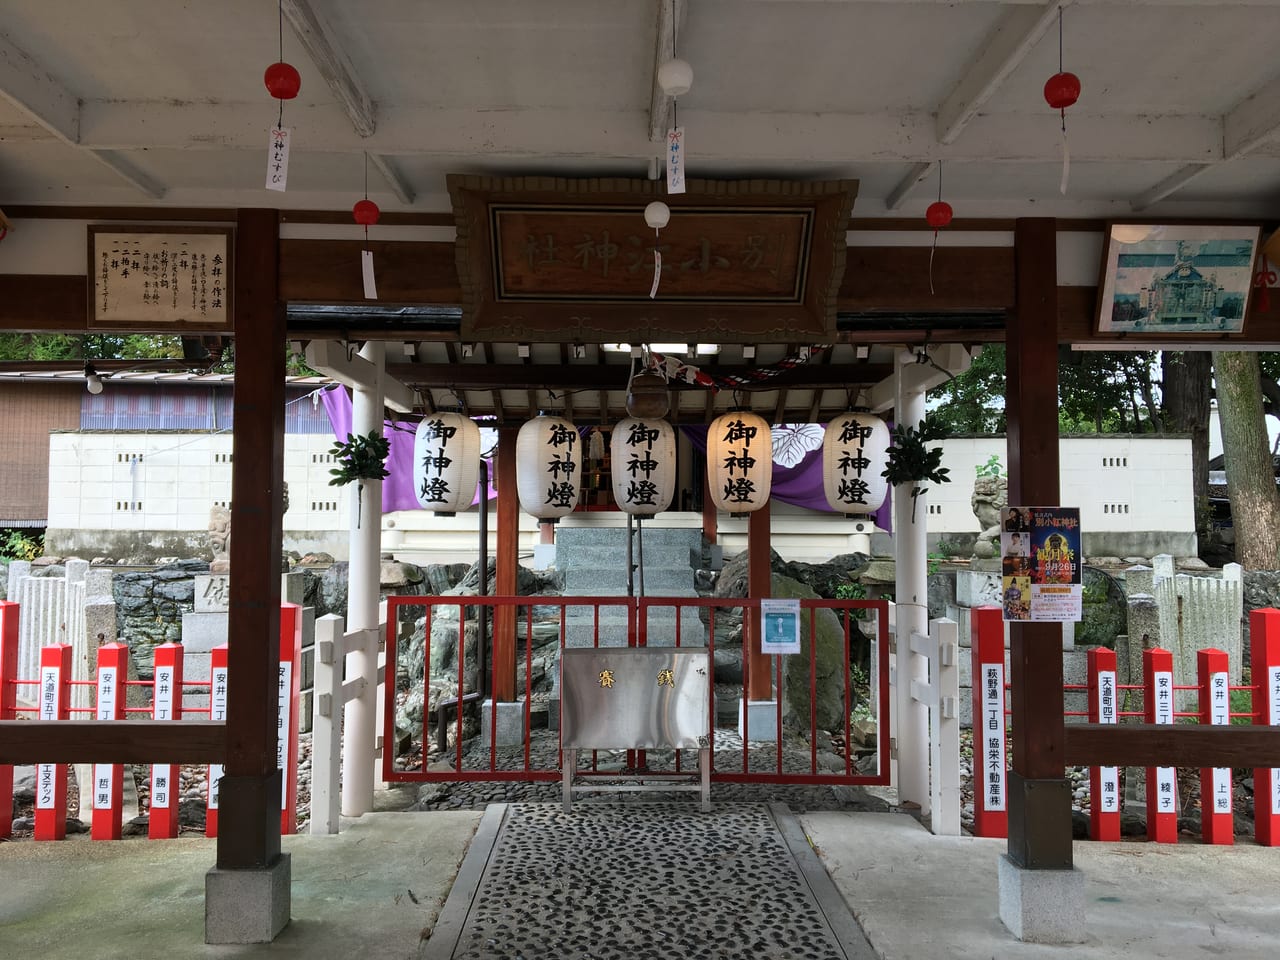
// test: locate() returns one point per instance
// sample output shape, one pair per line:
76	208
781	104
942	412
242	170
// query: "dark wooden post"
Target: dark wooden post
759	584
1039	795
249	796
710	530
504	618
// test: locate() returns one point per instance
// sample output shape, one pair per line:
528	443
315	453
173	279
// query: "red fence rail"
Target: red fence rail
1160	697
111	688
621	621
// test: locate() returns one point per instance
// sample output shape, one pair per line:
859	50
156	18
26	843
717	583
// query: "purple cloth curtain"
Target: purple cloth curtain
397	489
800	485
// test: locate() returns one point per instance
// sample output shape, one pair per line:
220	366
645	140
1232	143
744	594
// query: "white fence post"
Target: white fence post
380	658
944	730
331	753
326	725
940	693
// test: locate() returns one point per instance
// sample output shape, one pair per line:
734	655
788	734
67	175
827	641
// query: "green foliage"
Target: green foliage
61	346
1241	706
992	468
850	591
973	402
360	458
18	544
1097	393
913	460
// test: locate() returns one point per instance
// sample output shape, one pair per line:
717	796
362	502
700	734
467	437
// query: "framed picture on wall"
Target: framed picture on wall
167	279
1176	278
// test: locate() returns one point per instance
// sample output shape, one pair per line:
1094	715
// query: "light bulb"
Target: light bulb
93	383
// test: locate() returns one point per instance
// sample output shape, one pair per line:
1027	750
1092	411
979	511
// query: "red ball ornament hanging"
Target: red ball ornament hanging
282	81
1062	90
366	212
939	214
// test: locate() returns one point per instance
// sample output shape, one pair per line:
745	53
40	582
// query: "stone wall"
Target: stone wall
150	605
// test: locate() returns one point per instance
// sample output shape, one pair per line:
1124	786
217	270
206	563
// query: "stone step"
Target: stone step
658	581
614	633
595	556
620	590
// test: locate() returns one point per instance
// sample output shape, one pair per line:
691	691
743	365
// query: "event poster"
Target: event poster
1040	563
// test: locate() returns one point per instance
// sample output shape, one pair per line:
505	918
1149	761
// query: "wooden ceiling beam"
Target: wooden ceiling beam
1014	37
568	377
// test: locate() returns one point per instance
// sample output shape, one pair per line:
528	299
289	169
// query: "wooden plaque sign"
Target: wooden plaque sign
568	260
160	278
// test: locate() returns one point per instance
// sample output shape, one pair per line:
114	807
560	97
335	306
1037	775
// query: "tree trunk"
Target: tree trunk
1185	387
1251	482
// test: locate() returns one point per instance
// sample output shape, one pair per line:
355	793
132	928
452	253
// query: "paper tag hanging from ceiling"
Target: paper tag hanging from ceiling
548	467
278	159
675	160
366	270
446	462
643	455
855	449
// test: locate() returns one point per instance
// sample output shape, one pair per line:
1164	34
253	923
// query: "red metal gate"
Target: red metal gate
454	733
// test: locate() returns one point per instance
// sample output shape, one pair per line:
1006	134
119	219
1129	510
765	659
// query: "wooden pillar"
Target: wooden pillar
249	796
710	530
759	584
504	618
1039	795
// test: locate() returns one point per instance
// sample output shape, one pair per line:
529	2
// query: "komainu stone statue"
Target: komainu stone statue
990	493
220	539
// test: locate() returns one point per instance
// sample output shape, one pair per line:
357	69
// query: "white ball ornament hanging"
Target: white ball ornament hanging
675	77
657	215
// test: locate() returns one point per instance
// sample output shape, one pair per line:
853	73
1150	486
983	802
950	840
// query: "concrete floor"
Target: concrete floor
376	889
373	890
921	897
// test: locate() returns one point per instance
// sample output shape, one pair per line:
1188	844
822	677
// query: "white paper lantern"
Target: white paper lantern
739	462
548	467
643	455
854	453
446	462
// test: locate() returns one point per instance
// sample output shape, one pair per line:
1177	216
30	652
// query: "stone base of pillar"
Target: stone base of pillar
247	906
762	719
1042	906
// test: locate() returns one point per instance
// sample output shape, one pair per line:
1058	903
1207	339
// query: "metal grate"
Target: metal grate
643	880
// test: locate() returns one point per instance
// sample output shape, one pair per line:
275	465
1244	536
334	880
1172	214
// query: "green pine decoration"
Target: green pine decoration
360	457
912	459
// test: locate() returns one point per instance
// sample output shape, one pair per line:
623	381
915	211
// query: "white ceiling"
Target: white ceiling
134	101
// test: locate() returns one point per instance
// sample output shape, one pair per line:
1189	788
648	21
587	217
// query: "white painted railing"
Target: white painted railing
332	693
940	693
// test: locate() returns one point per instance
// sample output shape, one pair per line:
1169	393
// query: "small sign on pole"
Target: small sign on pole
51	778
1104	782
1216	822
108	778
1162	782
166	705
218	713
779	626
990	789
